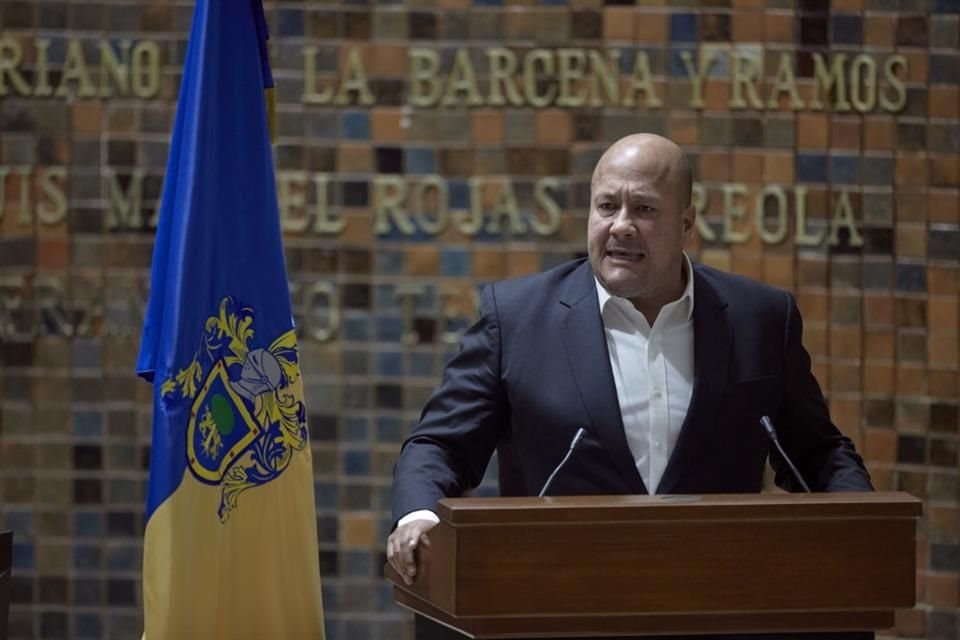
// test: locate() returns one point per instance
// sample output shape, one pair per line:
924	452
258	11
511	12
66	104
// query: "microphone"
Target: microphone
772	434
577	437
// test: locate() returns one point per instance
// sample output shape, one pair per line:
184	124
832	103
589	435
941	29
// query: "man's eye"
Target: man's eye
607	207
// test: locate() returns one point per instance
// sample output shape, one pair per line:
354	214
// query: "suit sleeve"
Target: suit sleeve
825	457
459	428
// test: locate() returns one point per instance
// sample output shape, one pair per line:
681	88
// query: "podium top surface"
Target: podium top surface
765	506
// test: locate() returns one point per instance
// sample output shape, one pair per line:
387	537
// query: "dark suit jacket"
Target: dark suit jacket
535	368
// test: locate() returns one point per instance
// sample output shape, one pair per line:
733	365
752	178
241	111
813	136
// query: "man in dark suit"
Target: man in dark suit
668	367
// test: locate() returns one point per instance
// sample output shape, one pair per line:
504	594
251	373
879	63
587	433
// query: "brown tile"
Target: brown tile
943	520
845	133
846	5
354	158
911	241
943	590
917	68
715	166
845	342
813	307
911	623
386	125
778	167
815	340
618	23
53	253
943	206
813	130
487	126
554	126
911	169
879	445
748	167
943	349
716	95
944	384
357	531
945	171
880	345
911	206
521	263
943	101
778	270
489	264
878	310
844	377
684	129
879	378
912	380
358	230
745	27
943	313
943	280
879	30
778	27
422	261
845	412
651	27
85	116
879	132
388	60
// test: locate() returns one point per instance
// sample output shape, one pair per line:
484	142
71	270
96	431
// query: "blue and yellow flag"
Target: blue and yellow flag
230	548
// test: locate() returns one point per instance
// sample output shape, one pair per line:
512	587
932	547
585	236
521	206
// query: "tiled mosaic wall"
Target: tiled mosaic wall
405	185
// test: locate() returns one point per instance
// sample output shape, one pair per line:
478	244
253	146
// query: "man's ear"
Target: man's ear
688	218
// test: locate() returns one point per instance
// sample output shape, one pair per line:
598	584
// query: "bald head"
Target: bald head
651	155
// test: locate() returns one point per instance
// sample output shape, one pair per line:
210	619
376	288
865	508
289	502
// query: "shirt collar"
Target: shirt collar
685	301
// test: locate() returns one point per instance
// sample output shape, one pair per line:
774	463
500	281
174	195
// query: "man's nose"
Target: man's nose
622	224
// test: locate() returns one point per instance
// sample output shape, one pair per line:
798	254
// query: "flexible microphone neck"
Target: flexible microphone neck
577	437
772	434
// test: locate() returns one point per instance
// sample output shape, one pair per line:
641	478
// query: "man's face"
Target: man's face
638	223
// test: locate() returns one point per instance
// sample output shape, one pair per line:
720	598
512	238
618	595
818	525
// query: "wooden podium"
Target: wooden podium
638	565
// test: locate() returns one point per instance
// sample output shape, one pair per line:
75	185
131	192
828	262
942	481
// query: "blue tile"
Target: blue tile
390	363
911	277
389	329
87	353
87	592
356	463
385	297
86	423
322	125
388	261
846	29
355	125
946	6
876	171
811	167
22	556
844	169
290	22
684	27
20	522
87	524
358	564
356	326
678	69
487	3
455	262
554	3
945	69
86	557
389	429
356	429
422	364
420	160
325	495
123	558
86	626
459	194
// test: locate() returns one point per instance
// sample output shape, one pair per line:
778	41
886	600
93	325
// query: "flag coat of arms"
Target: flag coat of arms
230	547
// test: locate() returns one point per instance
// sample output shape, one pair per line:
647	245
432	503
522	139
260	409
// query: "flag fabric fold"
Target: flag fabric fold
230	546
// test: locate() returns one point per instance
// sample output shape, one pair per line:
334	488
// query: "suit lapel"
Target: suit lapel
712	339
586	345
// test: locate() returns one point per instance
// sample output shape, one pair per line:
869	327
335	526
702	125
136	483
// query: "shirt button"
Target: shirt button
657	394
657	446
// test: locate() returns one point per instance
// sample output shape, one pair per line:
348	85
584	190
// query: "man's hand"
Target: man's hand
402	546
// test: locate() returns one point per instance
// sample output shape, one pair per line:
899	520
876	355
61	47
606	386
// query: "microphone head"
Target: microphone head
768	427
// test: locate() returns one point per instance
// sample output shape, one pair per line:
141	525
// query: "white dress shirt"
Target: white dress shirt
653	372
